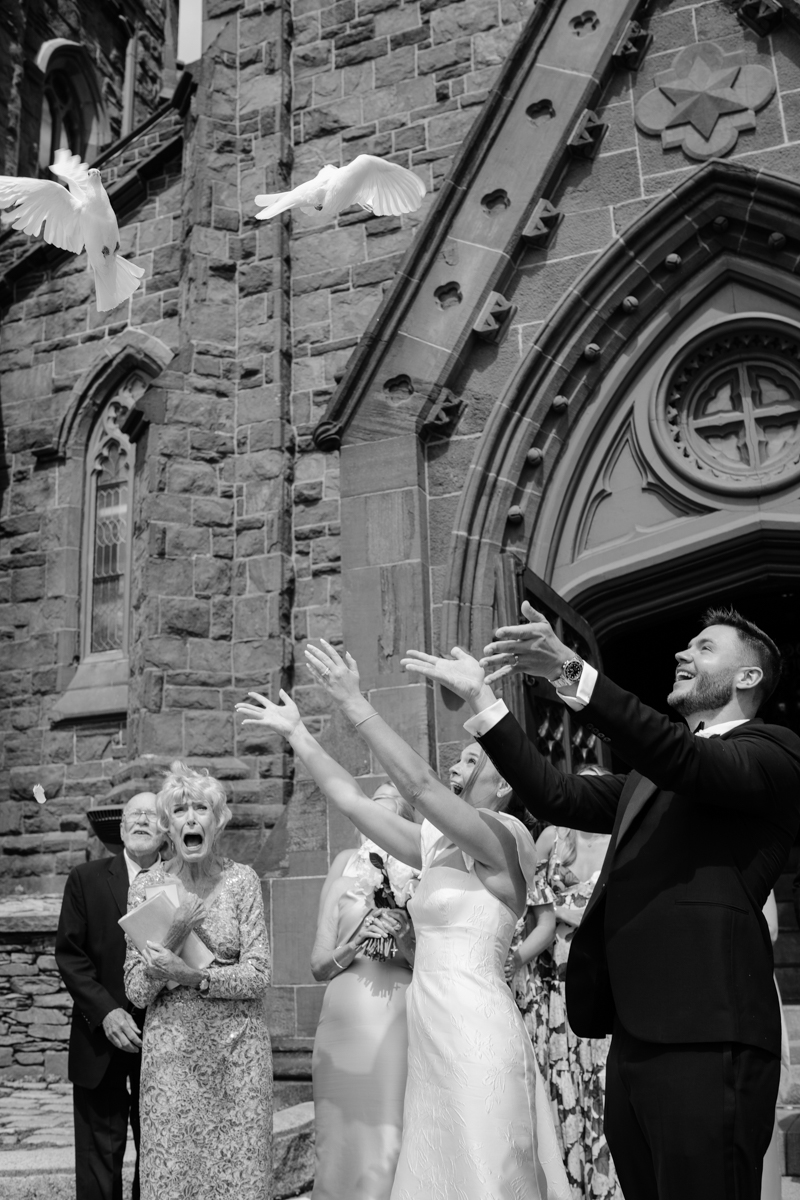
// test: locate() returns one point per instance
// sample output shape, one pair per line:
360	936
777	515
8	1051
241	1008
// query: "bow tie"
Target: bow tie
702	725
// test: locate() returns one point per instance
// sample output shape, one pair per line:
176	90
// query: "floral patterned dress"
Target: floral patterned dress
206	1089
574	1068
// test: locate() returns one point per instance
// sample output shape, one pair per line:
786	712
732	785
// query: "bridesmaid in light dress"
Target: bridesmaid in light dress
361	1045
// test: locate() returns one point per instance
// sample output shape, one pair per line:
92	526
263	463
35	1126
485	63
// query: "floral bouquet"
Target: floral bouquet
391	884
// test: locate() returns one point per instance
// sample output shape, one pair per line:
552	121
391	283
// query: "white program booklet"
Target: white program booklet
151	921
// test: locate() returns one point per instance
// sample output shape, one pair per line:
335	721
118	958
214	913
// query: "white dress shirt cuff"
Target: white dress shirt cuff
585	688
483	721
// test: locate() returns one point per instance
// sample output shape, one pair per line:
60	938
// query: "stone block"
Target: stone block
27	583
445	55
184	617
170	653
209	733
294	922
326	119
160	733
27	385
22	779
363	51
168	577
55	1063
381	528
184	698
386	465
293	1150
212	576
327	250
187	540
194	478
216	511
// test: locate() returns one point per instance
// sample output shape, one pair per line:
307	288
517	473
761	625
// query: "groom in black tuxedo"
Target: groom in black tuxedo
673	956
105	1039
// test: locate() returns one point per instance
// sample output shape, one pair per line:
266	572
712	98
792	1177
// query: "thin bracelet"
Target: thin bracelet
339	965
363	719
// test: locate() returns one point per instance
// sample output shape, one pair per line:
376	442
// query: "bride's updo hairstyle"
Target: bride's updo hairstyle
182	783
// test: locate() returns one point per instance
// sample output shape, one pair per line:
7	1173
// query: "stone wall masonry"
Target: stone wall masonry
35	1008
51	337
403	79
212	577
598	199
27	25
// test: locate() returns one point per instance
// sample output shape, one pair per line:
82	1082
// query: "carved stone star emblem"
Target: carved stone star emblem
703	102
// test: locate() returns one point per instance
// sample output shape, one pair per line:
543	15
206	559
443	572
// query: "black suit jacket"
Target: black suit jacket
673	940
90	952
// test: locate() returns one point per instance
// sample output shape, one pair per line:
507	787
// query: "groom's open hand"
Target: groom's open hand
531	649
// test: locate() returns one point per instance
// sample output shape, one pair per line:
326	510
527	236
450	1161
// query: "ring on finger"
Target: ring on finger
516	659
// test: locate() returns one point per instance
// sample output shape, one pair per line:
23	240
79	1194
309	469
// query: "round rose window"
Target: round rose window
731	414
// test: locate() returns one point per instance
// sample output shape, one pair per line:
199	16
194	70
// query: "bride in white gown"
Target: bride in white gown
476	1123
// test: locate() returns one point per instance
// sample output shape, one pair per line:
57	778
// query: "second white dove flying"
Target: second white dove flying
384	188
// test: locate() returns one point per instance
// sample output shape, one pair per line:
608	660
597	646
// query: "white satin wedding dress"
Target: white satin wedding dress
476	1123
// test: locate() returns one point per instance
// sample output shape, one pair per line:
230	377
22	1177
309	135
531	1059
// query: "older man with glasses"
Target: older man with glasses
105	1039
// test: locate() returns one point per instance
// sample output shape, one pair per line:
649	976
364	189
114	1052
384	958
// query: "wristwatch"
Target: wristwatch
204	985
571	671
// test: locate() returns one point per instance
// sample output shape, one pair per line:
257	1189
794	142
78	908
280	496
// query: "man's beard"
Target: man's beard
708	694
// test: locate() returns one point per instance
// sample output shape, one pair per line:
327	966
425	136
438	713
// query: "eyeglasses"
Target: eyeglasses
140	813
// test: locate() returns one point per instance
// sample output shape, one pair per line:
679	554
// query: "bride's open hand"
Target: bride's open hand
337	675
461	673
281	718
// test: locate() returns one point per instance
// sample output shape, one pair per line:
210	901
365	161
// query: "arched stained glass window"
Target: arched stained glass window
110	551
108	527
62	125
73	113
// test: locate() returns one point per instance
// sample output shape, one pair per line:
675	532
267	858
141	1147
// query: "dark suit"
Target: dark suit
90	952
673	954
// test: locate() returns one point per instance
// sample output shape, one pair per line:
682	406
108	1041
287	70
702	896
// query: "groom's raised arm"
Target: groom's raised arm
576	801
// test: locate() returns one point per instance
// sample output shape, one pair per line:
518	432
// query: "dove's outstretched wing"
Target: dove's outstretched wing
70	168
386	188
39	201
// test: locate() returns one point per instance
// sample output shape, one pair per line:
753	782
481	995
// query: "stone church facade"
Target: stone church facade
573	375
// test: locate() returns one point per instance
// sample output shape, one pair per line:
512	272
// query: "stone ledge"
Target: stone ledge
29	914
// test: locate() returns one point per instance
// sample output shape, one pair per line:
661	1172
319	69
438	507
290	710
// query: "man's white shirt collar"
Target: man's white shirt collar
723	727
133	867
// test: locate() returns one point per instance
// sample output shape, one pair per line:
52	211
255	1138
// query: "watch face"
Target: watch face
573	670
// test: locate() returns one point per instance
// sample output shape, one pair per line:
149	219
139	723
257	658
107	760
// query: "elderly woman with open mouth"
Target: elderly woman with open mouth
206	1091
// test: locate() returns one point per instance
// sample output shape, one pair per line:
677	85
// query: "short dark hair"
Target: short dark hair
767	654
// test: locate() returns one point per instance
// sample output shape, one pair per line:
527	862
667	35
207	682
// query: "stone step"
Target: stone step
49	1174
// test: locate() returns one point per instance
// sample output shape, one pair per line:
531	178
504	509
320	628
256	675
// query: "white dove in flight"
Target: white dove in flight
384	188
72	219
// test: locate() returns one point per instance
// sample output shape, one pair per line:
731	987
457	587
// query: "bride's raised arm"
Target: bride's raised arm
396	836
479	835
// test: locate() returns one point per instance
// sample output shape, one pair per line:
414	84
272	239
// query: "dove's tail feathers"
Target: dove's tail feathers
276	202
115	280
